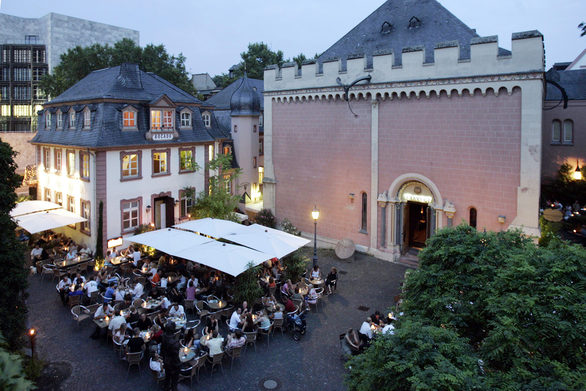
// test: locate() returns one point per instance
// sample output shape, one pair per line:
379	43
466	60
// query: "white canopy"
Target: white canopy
26	207
268	240
169	240
226	257
48	219
216	228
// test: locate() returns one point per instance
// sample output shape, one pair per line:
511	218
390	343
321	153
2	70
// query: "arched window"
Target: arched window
87	118
568	132
363	222
556	132
59	119
207	119
473	217
186	119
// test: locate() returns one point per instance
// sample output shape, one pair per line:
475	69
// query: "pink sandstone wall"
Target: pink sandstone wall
20	143
553	156
469	146
321	154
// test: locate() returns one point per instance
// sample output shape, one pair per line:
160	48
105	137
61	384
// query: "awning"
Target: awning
216	228
268	240
48	219
26	207
169	240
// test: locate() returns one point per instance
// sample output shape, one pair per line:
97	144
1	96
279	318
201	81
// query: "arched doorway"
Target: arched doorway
418	215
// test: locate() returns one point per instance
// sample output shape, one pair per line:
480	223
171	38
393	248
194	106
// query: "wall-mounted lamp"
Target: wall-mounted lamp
577	175
501	219
351	197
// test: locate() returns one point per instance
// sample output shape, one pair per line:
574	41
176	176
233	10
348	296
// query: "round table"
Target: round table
186	354
216	304
151	303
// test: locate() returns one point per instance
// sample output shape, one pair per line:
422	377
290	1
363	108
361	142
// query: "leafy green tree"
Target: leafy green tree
217	201
223	80
13	274
519	308
265	217
246	286
79	61
12	375
295	265
254	61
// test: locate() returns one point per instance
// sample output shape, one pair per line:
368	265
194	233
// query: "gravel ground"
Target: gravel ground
313	363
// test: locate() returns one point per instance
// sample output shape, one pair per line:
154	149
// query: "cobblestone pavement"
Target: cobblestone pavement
314	363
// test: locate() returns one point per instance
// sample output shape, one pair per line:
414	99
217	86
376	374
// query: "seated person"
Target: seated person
138	290
161	318
136	343
77	291
156	278
354	341
365	330
119	334
245	308
235	340
63	288
91	286
157	334
118	294
110	292
290	306
156	365
211	325
213	344
177	311
331	280
117	321
144	323
296	295
249	324
36	253
315	273
134	316
190	338
165	303
71	254
104	310
278	314
235	319
389	327
79	279
263	320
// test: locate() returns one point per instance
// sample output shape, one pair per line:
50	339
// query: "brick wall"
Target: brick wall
321	154
469	146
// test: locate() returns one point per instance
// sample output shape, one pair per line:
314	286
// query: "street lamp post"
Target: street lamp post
315	215
32	334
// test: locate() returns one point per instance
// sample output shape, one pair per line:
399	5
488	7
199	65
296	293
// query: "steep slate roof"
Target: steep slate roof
433	25
573	81
222	99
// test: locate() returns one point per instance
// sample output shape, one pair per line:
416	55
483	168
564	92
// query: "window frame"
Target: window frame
72	115
139	166
47	120
82	173
553	139
70	170
58	159
473	217
168	162
563	132
85	226
134	112
184	170
47	158
206	117
87	118
185	203
211	152
185	123
59	198
363	213
47	195
138	208
59	120
71	208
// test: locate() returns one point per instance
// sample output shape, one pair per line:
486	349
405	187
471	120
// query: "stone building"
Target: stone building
409	123
130	140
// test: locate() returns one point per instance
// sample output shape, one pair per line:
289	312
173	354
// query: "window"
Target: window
227	150
556	132
227	183
235	128
253	128
48	195
261	147
210	152
254	162
168	119
72	119
129	119
59	198
155	119
160	162
84	165
46	159
185	119
85	213
363	221
186	160
58	160
87	118
568	132
130	214
261	175
59	119
473	217
71	208
207	120
162	119
47	120
70	163
130	165
186	201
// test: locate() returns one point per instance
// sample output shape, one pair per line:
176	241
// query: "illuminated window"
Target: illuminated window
47	120
168	119
84	164
364	214
261	175
87	118
21	110
207	119
130	214
130	166
72	118
186	201
85	213
6	111
210	152
227	150
160	163
59	198
58	160
568	132
186	160
71	204
129	119
48	195
185	119
155	119
46	158
228	183
70	163
473	215
59	119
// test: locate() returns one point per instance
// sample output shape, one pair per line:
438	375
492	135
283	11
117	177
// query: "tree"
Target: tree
246	286
13	274
223	80
12	376
79	61
217	201
518	307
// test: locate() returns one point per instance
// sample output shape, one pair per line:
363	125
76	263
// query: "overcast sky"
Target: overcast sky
212	34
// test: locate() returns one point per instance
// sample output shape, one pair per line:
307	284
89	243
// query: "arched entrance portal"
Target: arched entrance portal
418	215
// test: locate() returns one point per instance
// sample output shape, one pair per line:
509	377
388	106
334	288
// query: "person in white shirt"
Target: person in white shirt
79	279
102	311
91	286
118	294
36	252
116	322
214	344
156	365
71	254
136	257
138	290
165	303
365	330
63	288
194	280
388	329
177	310
235	319
164	282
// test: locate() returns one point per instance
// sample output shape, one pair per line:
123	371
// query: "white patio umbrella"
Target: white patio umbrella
216	228
226	257
268	240
48	219
169	240
26	207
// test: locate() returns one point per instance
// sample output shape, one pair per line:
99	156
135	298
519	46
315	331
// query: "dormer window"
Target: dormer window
47	120
59	119
162	119
87	118
207	119
185	119
129	118
72	119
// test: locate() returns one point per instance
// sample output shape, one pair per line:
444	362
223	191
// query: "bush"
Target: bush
265	217
288	227
12	375
246	287
295	265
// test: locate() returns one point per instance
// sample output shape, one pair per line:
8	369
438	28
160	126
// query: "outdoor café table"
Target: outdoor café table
216	304
68	263
146	336
102	322
274	307
151	303
179	322
186	354
117	261
316	282
303	291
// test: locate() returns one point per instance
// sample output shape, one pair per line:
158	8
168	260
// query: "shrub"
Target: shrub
295	265
289	227
265	217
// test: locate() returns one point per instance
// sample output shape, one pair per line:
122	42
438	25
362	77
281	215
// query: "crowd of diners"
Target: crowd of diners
141	303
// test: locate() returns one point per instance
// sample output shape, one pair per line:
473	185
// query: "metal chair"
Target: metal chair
266	331
80	313
118	348
133	359
233	353
201	360
200	309
74	300
47	270
189	373
189	305
216	360
251	338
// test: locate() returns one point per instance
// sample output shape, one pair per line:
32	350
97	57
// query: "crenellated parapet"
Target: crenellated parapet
414	75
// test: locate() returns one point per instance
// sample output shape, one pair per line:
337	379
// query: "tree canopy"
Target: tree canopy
79	61
485	311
